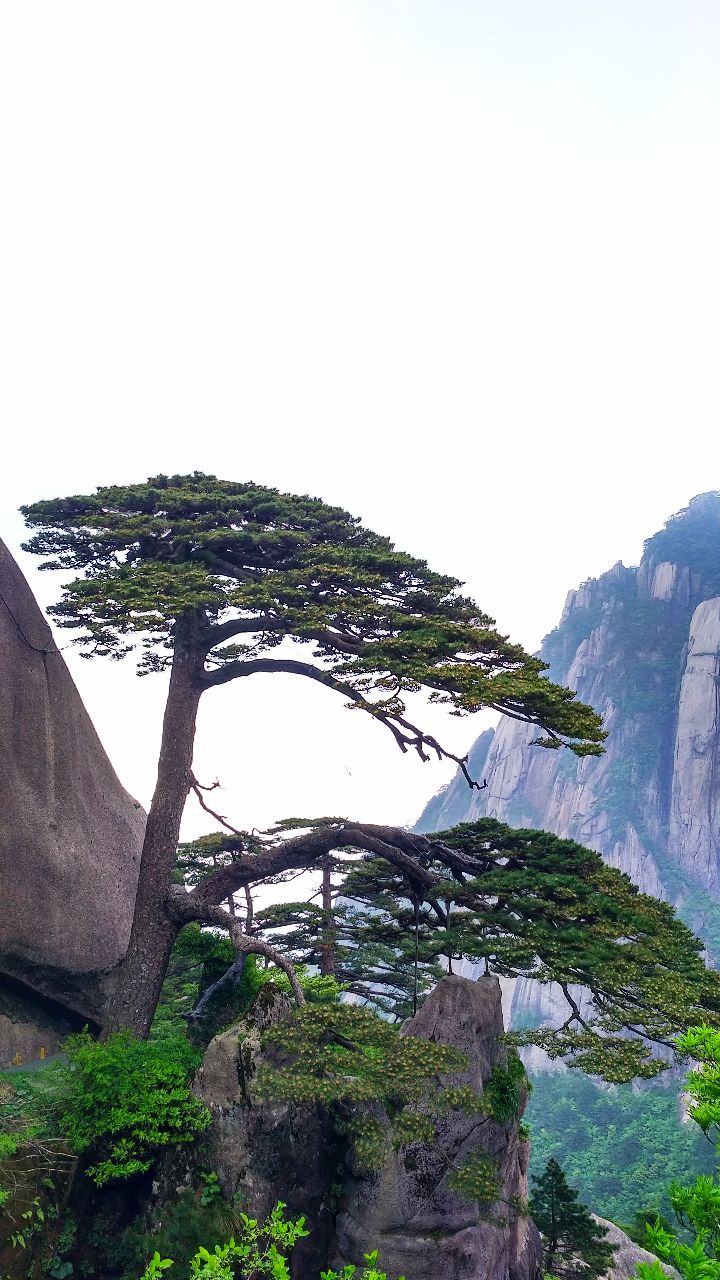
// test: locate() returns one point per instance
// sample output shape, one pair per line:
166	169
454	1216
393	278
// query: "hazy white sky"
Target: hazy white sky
454	266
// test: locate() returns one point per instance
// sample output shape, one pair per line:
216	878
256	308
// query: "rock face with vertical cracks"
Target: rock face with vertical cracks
421	1228
70	839
642	645
265	1152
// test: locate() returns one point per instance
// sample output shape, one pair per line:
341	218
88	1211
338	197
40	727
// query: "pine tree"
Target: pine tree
357	929
522	903
210	576
574	1244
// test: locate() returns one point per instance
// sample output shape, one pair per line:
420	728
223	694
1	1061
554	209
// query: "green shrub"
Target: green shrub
503	1090
370	1272
177	1231
259	1251
121	1101
697	1206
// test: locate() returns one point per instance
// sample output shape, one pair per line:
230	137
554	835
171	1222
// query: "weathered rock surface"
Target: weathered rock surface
69	843
628	1253
694	833
642	645
421	1228
268	1152
265	1152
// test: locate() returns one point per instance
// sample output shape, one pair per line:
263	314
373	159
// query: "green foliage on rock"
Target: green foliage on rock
574	1245
506	1089
120	1102
384	1084
346	1054
477	1178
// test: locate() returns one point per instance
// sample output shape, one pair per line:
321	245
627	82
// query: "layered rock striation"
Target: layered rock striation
407	1211
70	839
642	645
293	1152
265	1152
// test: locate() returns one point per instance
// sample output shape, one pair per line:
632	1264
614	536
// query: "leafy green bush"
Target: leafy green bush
503	1090
256	1253
177	1230
121	1101
370	1272
697	1206
259	1251
477	1178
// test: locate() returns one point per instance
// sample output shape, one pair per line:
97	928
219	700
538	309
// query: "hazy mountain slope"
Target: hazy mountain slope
643	646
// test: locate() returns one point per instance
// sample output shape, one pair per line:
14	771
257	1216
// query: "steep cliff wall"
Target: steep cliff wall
70	838
292	1152
642	645
421	1227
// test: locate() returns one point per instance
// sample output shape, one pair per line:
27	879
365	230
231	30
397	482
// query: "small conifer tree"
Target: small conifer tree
574	1244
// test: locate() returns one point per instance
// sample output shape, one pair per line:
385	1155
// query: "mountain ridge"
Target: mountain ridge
641	645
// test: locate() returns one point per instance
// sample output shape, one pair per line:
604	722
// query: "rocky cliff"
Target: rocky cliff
292	1152
406	1210
642	645
69	842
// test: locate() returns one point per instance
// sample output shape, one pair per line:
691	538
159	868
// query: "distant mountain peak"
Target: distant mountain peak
641	645
629	642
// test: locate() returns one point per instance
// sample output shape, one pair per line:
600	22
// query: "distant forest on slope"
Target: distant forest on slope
620	1146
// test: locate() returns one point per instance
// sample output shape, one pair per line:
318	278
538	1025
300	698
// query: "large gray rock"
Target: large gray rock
694	833
627	1254
69	843
268	1152
421	1228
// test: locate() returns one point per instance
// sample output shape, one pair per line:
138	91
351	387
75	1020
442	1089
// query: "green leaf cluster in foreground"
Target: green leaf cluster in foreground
694	1249
260	1250
116	1103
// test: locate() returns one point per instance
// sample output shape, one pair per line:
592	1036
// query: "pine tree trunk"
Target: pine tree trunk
327	946
141	974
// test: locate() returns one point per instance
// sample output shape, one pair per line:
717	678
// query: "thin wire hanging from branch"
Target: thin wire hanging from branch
417	932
